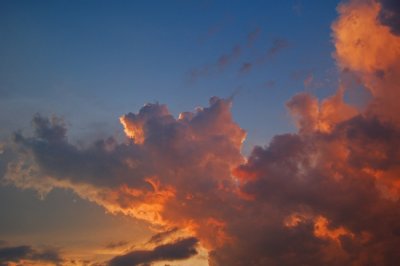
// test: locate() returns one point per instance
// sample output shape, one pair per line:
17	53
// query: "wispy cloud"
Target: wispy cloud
253	36
228	59
218	66
216	28
276	47
181	249
160	237
117	244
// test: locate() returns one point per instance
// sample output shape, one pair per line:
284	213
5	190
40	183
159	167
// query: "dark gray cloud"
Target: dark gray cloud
18	253
181	249
390	15
60	159
160	237
117	244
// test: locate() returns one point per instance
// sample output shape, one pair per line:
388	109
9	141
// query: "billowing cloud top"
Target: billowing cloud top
326	195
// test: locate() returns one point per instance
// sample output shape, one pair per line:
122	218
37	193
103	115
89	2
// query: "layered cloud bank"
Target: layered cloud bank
26	255
326	195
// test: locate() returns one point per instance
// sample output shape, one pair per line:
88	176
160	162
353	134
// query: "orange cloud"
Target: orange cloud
370	50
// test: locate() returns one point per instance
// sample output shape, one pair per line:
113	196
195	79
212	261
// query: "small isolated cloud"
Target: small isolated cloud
277	46
246	67
117	244
226	59
253	36
179	250
270	84
308	81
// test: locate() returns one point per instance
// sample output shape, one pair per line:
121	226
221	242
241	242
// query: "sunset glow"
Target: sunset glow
294	159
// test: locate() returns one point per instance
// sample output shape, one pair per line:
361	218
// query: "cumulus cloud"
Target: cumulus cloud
370	51
322	198
327	194
170	171
181	249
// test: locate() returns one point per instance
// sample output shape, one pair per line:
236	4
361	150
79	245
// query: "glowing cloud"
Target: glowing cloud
326	195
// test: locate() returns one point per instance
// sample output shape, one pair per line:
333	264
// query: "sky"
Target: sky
199	132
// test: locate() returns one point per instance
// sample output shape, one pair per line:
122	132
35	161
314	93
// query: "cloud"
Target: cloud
389	15
246	67
170	171
216	28
327	194
253	36
230	58
226	59
21	254
326	191
370	51
160	237
308	81
181	249
276	47
118	244
270	84
322	196
219	65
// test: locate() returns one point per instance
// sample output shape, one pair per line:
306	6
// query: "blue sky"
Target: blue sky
92	61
